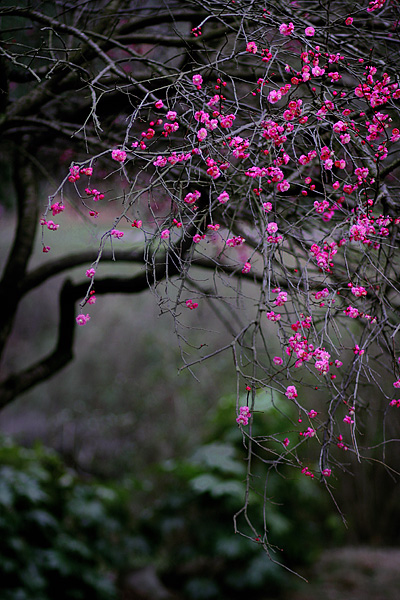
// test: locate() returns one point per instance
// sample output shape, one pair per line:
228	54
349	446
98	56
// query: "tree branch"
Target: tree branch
50	269
15	269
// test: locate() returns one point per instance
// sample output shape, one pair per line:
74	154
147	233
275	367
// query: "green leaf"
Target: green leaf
220	457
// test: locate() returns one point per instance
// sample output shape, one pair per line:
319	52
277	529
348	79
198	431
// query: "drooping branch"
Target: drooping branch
158	269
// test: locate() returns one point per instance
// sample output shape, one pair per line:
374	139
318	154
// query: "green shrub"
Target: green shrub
191	529
59	537
64	538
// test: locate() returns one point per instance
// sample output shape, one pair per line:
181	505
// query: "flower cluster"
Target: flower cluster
118	155
191	304
298	169
244	416
236	240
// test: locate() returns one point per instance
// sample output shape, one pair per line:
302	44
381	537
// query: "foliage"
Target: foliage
67	537
190	525
60	537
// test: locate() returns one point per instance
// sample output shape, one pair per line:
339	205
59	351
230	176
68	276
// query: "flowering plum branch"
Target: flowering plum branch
268	156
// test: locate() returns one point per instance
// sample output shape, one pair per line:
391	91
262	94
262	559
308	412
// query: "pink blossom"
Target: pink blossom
283	186
170	128
244	416
274	96
397	384
271	316
358	291
339	126
285	29
149	134
244	410
202	134
312	414
320	207
197	80
322	294
171	115
214	172
226	121
87	171
74	174
281	299
286	442
325	153
192	305
361	172
341	444
235	241
251	47
159	104
82	319
223	197
90	272
348	420
306	471
352	312
277	360
116	234
375	4
160	161
395	403
349	20
395	136
58	207
242	420
327	472
118	155
272	227
310	432
322	366
317	71
291	392
309	31
246	268
214	100
165	234
192	197
51	225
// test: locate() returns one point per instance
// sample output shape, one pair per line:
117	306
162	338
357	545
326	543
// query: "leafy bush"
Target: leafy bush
59	537
64	538
191	528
